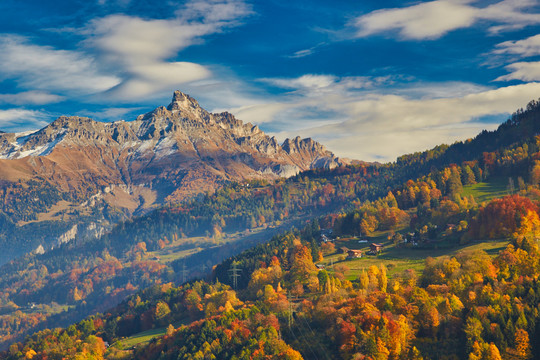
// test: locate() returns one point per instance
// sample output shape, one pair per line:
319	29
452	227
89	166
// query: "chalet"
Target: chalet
325	238
375	248
354	254
343	250
320	267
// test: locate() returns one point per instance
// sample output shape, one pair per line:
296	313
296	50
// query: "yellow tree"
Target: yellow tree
523	346
529	224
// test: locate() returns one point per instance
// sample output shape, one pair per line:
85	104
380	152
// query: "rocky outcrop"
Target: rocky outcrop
176	152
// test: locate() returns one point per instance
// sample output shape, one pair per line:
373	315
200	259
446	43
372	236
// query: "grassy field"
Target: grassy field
146	336
184	247
143	337
398	260
177	249
486	191
180	249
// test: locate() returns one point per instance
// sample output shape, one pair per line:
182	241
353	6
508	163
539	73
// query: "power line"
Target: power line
324	350
289	302
184	273
235	273
307	342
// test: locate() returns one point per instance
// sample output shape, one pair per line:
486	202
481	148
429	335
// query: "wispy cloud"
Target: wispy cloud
383	127
110	114
30	98
525	71
524	48
122	58
46	68
22	119
317	84
431	20
139	50
358	119
306	52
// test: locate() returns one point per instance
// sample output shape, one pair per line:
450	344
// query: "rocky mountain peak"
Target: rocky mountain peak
181	101
173	153
70	122
298	144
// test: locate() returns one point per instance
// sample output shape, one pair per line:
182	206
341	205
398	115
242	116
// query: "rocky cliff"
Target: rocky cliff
170	154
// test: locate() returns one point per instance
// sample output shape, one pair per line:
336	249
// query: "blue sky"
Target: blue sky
370	81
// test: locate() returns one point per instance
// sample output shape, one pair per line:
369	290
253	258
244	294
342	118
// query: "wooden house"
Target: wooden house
343	250
375	248
355	254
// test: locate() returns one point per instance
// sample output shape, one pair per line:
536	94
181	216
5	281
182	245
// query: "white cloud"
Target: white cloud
109	114
301	53
386	146
305	82
123	58
140	49
525	48
374	125
259	113
306	52
526	71
45	68
22	119
422	89
30	98
433	19
314	85
219	13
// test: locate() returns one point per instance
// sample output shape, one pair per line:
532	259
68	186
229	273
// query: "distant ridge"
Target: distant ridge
169	154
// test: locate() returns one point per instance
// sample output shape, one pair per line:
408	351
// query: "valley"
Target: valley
451	225
77	171
270	180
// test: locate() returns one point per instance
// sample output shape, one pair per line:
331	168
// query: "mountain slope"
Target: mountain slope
166	244
176	151
112	170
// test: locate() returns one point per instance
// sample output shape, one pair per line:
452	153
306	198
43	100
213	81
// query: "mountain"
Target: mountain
176	152
77	166
451	212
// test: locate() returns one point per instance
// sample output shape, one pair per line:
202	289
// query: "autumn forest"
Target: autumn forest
433	256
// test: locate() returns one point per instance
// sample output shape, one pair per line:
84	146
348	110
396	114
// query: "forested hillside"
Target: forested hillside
277	302
285	308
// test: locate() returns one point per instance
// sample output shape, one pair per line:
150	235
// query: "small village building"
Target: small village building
375	248
355	254
320	267
325	238
343	250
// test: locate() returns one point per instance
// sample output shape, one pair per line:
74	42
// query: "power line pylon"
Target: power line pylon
235	273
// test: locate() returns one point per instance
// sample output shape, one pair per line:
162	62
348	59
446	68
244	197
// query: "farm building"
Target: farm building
354	254
375	248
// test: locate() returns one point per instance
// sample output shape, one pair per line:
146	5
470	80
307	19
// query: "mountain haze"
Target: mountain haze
77	171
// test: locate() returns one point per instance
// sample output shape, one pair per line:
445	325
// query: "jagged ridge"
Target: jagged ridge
176	151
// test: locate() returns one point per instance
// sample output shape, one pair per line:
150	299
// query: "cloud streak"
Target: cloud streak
373	125
431	20
22	119
140	49
46	68
30	98
525	71
524	48
122	58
